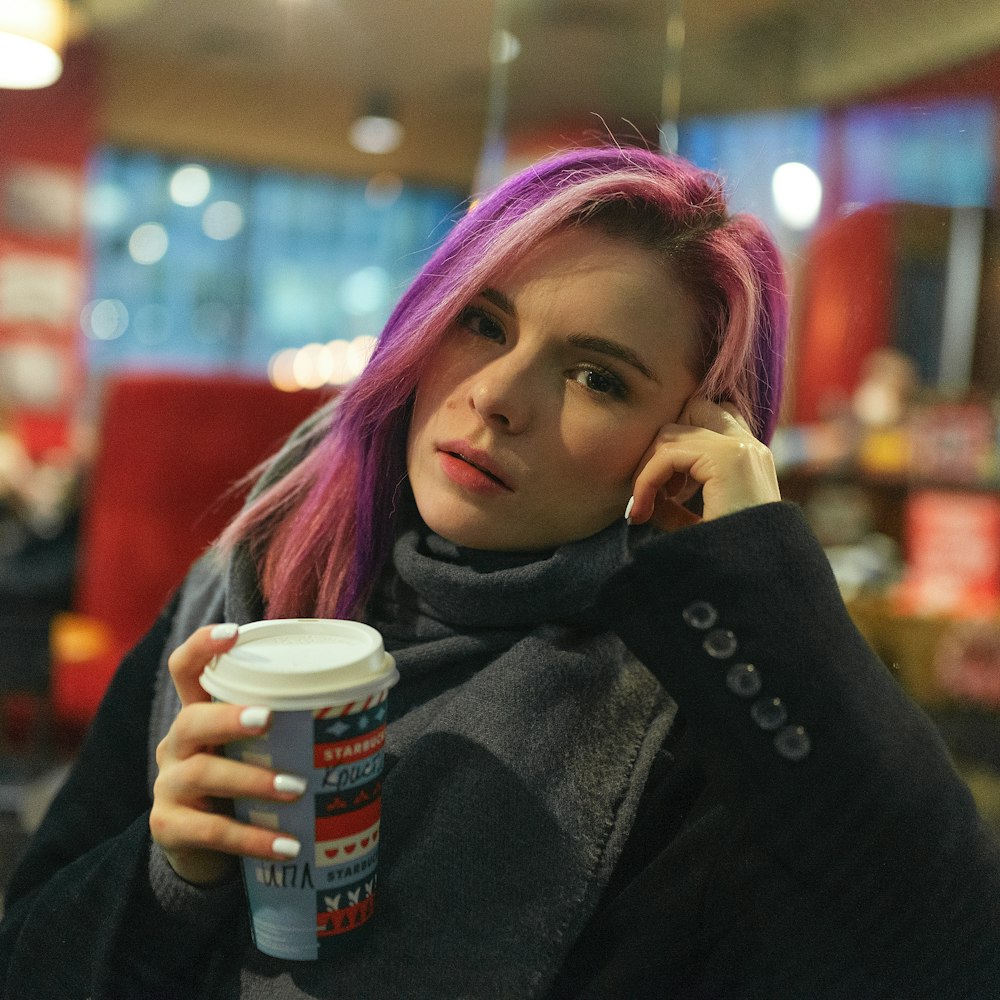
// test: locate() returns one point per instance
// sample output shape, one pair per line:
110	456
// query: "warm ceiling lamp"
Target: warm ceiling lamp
377	130
32	38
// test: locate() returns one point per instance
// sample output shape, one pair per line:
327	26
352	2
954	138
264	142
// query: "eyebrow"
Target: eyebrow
500	301
588	341
615	350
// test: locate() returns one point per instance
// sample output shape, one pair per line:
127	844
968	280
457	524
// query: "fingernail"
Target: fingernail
225	631
286	847
255	717
289	783
628	509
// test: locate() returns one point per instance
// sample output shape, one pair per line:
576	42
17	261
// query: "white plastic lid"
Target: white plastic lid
301	663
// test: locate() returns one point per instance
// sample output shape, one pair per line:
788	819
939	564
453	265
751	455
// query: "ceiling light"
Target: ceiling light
504	47
377	130
32	38
798	195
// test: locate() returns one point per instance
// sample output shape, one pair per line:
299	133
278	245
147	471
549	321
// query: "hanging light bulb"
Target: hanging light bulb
377	130
32	39
798	195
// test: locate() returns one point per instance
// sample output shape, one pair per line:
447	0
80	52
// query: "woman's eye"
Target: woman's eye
480	322
601	382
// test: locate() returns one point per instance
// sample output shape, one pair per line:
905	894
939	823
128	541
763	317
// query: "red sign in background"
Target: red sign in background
952	553
47	136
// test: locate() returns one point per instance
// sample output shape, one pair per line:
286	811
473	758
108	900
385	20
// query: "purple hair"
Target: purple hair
322	532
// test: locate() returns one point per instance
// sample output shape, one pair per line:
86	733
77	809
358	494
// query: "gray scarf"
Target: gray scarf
519	744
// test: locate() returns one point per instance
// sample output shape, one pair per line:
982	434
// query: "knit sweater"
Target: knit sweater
801	833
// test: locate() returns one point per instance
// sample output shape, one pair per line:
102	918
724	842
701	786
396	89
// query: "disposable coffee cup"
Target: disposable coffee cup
326	682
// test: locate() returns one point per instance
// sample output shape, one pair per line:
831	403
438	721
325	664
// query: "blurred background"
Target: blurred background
208	210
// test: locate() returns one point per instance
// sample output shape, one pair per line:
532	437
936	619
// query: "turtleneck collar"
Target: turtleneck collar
471	587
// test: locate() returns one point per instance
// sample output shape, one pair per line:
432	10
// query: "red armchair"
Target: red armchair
161	488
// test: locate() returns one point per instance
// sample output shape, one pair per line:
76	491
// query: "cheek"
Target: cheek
608	458
418	418
440	384
428	400
420	429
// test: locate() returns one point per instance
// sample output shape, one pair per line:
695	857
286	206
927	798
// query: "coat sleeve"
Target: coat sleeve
857	854
81	918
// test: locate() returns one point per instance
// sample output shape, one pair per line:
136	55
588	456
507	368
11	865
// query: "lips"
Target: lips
479	464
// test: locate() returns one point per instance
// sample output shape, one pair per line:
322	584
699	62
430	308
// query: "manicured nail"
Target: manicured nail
255	717
289	783
286	847
628	509
225	631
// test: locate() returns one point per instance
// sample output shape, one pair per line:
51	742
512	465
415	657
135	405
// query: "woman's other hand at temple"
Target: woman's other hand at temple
711	448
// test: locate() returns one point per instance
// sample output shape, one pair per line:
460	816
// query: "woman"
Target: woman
631	757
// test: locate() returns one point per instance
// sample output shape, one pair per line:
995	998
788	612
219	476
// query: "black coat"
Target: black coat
806	840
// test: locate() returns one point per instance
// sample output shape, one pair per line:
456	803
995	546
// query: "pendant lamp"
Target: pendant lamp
377	130
32	39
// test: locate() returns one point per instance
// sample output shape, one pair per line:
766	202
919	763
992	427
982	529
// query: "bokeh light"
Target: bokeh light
383	189
281	370
316	365
190	184
104	319
505	47
105	205
359	351
148	243
365	291
798	194
222	220
309	366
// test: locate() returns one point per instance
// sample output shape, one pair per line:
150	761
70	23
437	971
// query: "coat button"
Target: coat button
720	644
793	743
769	713
743	679
700	615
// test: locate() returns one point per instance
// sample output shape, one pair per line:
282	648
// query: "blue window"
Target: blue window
934	153
206	266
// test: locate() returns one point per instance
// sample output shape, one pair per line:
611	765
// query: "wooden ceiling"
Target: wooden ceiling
603	60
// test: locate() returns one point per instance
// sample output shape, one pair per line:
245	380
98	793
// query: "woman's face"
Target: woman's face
532	417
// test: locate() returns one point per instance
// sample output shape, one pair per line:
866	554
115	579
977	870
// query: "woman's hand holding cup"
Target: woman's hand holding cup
198	836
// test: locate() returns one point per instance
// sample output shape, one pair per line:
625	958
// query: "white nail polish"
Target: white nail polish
286	847
289	783
255	717
628	509
224	631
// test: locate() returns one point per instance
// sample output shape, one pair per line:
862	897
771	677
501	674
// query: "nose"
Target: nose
502	395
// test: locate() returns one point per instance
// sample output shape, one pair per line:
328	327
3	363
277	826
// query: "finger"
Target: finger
702	412
189	659
208	776
206	725
722	418
734	412
666	464
182	829
680	487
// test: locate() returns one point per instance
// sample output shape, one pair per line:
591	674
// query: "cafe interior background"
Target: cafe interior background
207	211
